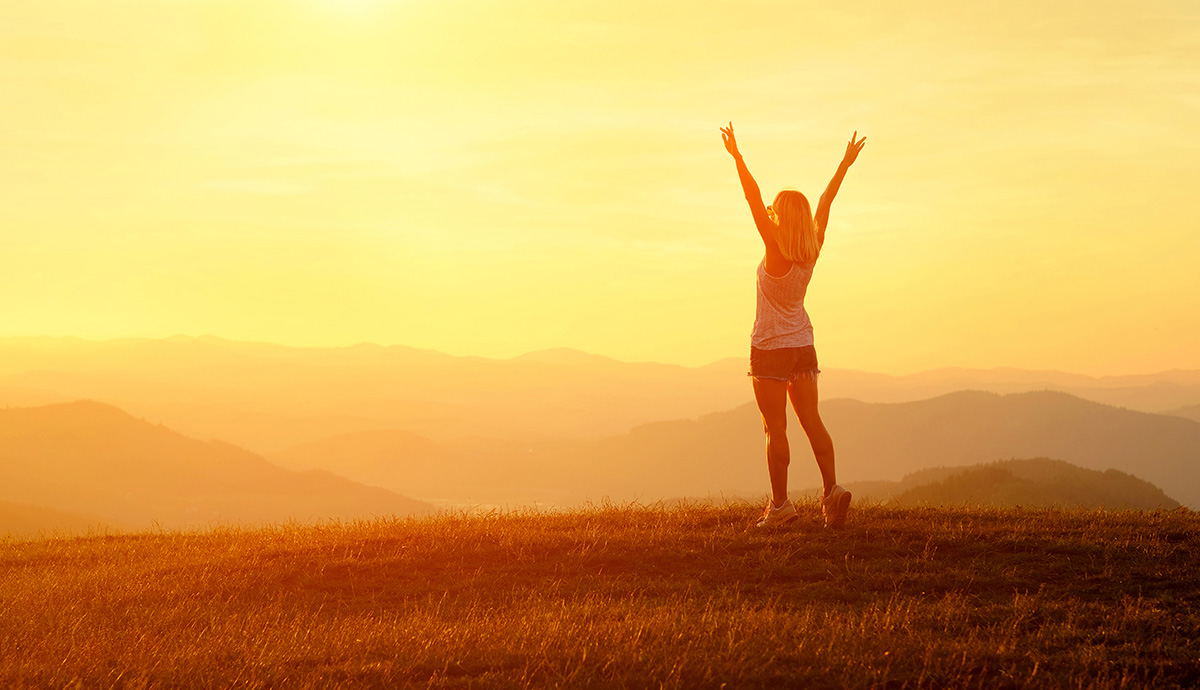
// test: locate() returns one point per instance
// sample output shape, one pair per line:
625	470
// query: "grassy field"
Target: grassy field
679	597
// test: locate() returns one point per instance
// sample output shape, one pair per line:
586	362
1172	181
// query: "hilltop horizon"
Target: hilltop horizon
88	465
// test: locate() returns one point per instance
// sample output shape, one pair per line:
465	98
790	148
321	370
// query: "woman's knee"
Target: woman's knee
775	427
810	420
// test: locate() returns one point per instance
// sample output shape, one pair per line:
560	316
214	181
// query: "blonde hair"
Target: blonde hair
796	231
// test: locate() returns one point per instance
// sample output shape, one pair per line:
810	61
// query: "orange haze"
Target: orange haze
494	178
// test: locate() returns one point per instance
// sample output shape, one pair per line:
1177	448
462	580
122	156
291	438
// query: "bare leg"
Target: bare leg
803	392
771	396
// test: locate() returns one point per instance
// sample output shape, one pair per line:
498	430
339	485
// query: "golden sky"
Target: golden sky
494	177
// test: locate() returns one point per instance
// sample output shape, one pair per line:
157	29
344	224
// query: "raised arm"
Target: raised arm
822	216
750	188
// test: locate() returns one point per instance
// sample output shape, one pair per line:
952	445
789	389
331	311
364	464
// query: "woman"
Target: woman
783	361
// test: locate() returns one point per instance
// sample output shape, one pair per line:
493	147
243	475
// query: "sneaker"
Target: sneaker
835	506
774	517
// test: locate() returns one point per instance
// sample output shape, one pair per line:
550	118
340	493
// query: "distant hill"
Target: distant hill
1034	483
20	520
722	452
1156	393
269	397
1187	411
91	458
884	441
383	457
880	441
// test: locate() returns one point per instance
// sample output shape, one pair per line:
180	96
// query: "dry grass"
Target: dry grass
682	597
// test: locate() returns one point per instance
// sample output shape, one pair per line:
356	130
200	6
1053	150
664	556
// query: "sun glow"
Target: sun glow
356	6
492	178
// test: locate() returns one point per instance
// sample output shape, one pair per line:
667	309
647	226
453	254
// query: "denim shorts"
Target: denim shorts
784	364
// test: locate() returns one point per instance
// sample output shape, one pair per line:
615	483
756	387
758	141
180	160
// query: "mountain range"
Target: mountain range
723	452
350	432
90	465
269	397
92	459
266	397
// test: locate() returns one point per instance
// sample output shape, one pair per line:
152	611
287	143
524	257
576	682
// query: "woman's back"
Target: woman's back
780	319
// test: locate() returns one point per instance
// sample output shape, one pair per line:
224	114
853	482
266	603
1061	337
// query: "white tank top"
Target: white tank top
780	319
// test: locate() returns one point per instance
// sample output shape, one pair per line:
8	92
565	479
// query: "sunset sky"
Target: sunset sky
495	177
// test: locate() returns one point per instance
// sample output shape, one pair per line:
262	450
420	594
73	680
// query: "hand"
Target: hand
852	149
730	142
